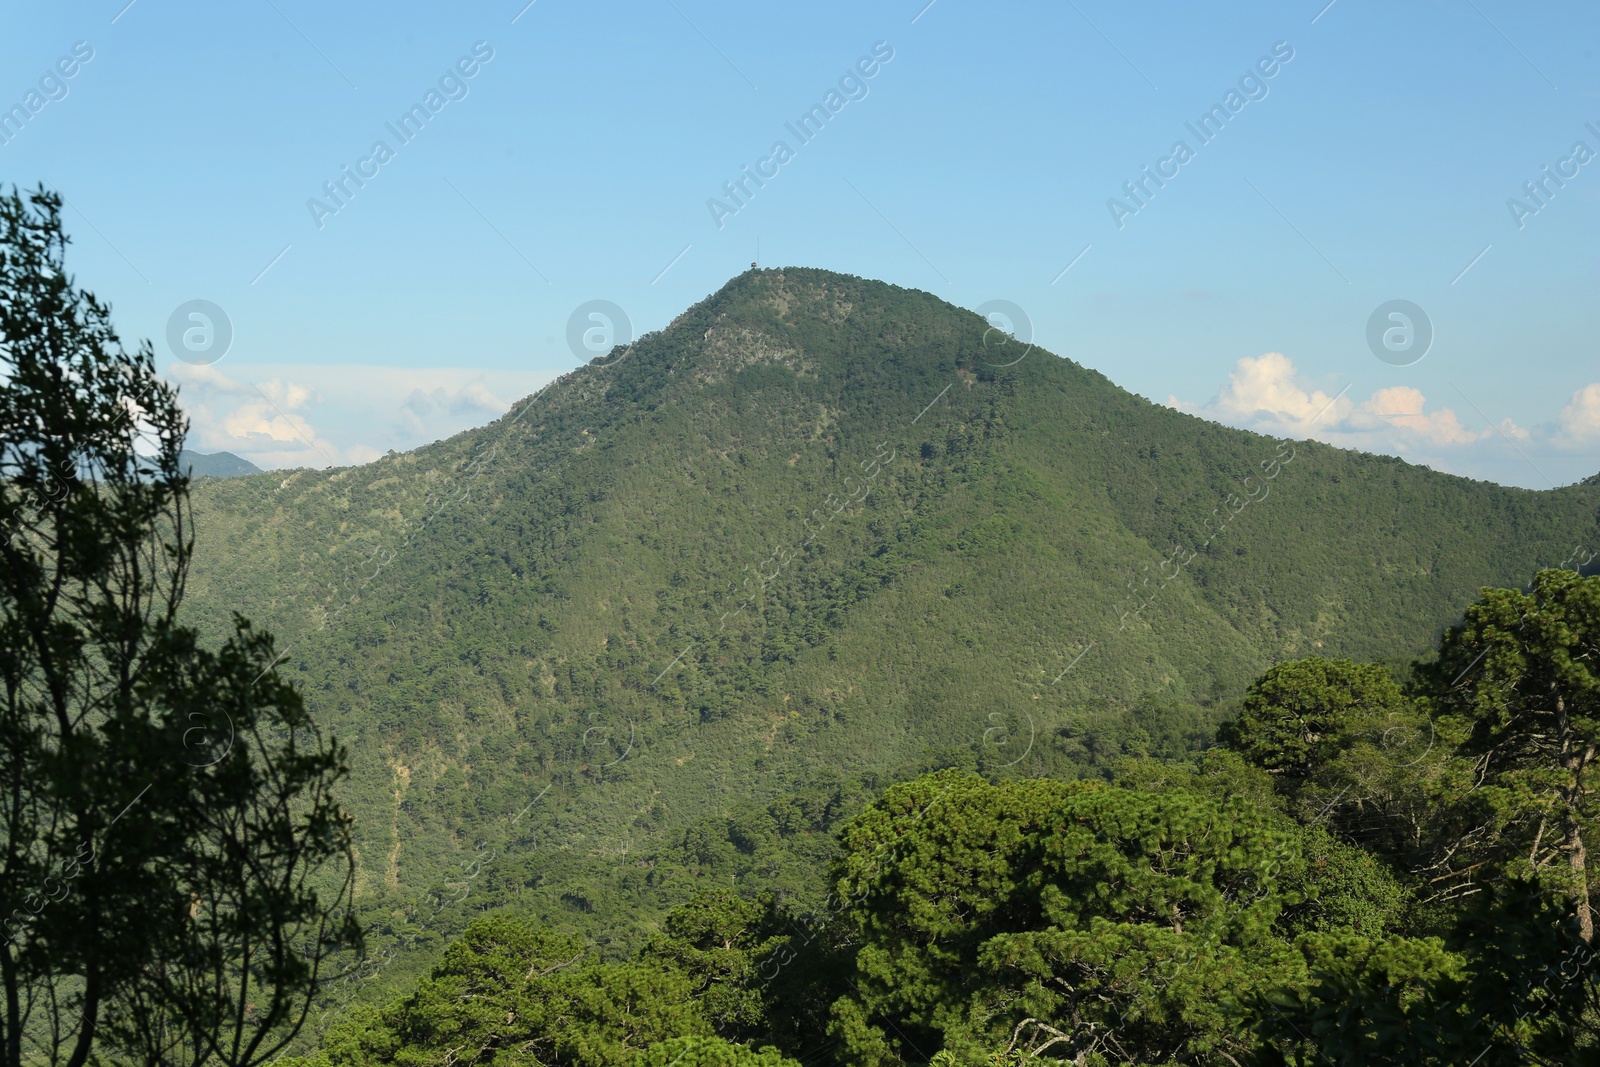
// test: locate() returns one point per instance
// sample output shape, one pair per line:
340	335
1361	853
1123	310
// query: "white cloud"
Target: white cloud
261	421
1579	421
1266	393
280	415
1402	407
473	400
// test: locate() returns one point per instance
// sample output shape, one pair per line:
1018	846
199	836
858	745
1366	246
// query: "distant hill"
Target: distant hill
565	689
217	464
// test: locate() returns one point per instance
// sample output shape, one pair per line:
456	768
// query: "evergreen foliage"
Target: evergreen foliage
1193	911
708	596
174	872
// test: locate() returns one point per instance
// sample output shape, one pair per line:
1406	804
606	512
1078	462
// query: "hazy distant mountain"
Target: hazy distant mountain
217	464
564	605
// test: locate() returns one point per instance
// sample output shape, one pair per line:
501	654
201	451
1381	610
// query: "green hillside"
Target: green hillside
667	621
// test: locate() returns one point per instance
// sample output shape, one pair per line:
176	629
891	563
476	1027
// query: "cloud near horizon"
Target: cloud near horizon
1267	394
282	415
1580	419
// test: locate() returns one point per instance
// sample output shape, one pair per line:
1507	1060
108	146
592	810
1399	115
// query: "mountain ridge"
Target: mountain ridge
216	464
632	597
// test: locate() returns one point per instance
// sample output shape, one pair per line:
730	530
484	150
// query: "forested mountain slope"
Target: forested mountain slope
667	620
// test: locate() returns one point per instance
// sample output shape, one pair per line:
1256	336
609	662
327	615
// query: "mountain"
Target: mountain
565	689
217	464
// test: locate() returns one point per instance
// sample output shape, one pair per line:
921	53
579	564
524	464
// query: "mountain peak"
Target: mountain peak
805	322
216	464
814	527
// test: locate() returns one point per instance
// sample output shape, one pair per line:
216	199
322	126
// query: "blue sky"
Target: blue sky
576	164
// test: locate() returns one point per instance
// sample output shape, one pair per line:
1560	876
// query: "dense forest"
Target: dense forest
667	623
816	681
1365	869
